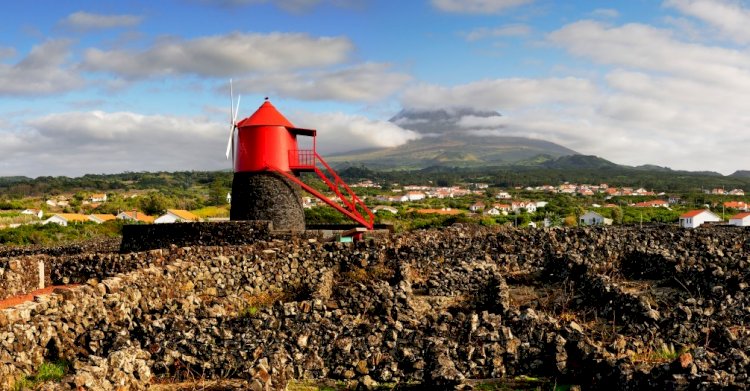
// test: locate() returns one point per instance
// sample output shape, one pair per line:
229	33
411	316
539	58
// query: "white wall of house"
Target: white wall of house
167	219
699	219
741	222
56	220
415	196
592	218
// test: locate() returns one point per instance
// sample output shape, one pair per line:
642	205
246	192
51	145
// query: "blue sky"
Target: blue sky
106	86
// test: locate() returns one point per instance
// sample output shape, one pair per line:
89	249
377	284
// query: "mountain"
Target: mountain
741	174
575	162
450	139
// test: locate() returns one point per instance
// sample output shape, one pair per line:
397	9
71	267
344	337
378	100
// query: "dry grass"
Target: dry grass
255	302
373	273
666	353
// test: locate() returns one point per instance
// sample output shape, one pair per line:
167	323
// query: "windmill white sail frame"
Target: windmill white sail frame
233	112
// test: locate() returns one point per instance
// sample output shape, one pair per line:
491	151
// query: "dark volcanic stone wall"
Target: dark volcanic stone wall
267	196
596	307
146	237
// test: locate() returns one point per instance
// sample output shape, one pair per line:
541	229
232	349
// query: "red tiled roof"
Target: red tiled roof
740	216
692	213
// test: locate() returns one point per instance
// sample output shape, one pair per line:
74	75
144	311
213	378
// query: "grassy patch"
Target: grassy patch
258	301
211	211
666	353
48	371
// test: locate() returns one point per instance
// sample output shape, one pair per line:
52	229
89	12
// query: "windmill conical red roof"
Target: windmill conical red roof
266	115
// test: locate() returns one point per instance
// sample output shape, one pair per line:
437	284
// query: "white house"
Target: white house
176	216
593	218
503	195
740	219
135	216
101	218
66	218
415	195
695	218
99	197
494	212
385	208
33	212
530	206
477	206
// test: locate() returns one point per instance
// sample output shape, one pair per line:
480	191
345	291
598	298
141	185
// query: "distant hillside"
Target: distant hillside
446	142
741	174
575	162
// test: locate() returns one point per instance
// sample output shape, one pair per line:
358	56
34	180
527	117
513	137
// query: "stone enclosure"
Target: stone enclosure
618	308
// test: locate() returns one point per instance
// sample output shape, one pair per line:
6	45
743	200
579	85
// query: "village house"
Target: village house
498	209
530	206
717	191
652	204
740	220
737	192
593	218
396	198
101	218
696	218
415	196
503	195
135	216
176	216
477	206
98	197
65	219
33	212
385	208
739	205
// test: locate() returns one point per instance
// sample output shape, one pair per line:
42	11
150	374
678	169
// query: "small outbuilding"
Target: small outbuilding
740	219
176	216
100	218
593	218
135	216
67	218
696	218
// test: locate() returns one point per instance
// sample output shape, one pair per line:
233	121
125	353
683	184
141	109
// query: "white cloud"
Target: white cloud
512	30
471	122
43	71
477	6
80	142
222	55
340	132
368	82
500	94
87	21
728	17
76	143
648	48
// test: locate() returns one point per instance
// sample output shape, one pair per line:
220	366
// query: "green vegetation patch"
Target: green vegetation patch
48	371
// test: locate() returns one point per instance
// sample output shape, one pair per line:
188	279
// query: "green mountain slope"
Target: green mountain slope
447	141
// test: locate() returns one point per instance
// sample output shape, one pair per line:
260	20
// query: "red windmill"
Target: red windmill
266	142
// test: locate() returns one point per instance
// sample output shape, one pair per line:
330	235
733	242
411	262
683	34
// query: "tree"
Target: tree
154	203
217	193
617	215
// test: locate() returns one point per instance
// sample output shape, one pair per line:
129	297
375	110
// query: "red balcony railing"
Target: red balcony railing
302	159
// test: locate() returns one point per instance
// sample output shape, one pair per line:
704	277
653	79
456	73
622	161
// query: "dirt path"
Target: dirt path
16	300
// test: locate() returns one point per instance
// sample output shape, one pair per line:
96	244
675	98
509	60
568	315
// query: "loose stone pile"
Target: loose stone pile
611	308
